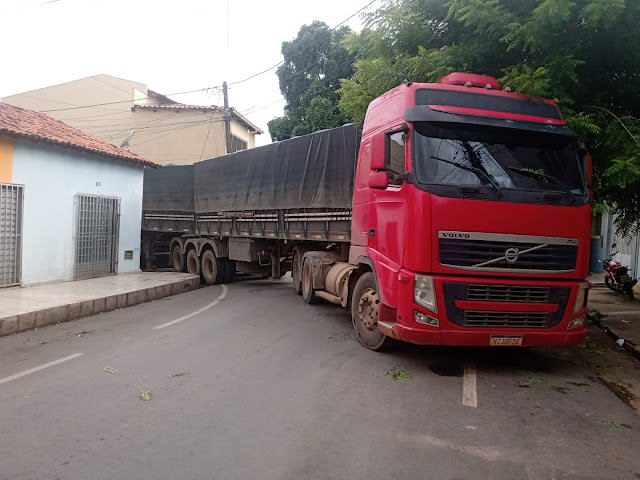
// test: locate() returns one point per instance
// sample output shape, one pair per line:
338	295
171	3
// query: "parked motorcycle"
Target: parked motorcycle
617	277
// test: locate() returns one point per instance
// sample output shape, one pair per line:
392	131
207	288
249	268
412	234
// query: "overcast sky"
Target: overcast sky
170	46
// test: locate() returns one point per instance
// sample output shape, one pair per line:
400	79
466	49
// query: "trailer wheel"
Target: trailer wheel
178	262
364	313
308	295
193	263
213	269
296	270
229	270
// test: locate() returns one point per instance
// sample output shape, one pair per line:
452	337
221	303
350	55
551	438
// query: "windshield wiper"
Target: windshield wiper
535	174
475	170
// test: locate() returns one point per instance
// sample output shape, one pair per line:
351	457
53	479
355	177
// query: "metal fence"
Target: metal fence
11	200
97	232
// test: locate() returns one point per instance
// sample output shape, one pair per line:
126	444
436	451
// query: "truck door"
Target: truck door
387	208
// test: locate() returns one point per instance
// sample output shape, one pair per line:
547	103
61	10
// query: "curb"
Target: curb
627	345
87	308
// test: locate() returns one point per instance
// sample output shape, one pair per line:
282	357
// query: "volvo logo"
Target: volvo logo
511	255
454	235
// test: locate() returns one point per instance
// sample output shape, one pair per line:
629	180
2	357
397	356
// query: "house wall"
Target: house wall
240	130
52	176
178	137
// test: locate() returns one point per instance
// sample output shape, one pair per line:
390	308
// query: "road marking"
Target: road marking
37	369
197	312
469	389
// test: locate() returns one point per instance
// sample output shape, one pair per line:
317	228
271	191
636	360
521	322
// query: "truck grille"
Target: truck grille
473	318
489	255
504	293
508	293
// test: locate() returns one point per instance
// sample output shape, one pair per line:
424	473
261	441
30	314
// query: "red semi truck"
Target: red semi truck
460	216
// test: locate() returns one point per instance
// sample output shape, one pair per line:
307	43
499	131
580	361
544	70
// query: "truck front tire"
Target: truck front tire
178	262
364	312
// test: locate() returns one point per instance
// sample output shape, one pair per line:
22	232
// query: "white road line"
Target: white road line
197	312
37	369
469	389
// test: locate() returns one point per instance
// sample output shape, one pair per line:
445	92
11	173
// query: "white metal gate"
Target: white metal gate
11	199
97	231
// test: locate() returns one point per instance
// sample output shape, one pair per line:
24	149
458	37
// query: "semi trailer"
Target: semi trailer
459	214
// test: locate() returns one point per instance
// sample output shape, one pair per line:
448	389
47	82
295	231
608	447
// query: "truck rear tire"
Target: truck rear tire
364	313
308	295
213	269
178	262
296	273
193	262
229	270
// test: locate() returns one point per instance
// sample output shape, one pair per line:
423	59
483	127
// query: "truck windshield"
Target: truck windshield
501	159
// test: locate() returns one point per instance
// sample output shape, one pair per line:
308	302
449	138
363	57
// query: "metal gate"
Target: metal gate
97	231
11	199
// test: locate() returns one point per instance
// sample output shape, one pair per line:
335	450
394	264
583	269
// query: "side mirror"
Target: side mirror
379	180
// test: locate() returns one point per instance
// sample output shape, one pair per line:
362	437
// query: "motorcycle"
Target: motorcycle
617	277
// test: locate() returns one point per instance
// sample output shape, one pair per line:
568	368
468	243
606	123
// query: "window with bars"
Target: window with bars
237	144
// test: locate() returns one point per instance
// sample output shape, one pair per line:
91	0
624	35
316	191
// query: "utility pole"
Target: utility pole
227	117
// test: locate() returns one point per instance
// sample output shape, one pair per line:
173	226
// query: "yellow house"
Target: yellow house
128	114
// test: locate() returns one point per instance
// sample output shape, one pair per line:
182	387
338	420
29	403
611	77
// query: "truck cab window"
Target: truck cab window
395	155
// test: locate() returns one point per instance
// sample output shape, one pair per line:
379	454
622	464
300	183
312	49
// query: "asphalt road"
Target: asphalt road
262	386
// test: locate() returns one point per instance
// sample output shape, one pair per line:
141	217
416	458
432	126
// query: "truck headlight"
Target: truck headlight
424	292
581	297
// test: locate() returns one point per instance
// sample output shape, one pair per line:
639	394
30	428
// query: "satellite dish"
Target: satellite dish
125	142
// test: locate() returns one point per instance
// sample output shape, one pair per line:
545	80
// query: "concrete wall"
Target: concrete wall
163	136
52	176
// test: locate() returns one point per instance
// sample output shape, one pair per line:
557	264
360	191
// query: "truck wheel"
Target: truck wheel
308	295
177	259
296	270
229	270
193	262
213	269
364	313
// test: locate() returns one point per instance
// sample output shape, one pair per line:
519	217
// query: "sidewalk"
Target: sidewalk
34	307
622	314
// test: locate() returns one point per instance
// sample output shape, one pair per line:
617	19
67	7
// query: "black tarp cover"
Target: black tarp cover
168	188
313	171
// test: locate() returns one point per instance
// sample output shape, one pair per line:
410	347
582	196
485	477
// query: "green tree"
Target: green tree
584	53
314	63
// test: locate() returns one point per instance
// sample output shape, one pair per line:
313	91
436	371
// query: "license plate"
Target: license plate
505	340
625	278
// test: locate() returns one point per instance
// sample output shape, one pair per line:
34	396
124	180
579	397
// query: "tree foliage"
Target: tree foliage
314	63
584	53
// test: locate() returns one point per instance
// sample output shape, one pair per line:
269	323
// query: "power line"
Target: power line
207	137
304	49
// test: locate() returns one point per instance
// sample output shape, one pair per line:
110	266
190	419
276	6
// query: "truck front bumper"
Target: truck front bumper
538	310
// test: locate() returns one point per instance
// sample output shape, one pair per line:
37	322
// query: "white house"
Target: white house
70	203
